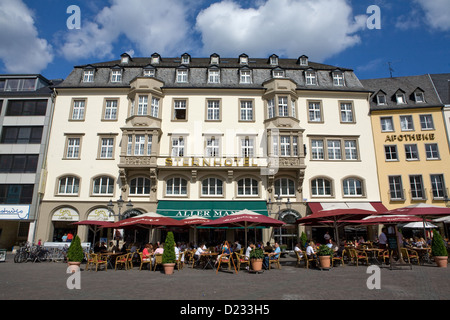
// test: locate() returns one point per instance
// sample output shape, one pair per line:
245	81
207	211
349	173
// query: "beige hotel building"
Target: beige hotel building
208	136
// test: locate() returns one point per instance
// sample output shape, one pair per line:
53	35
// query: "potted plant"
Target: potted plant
75	254
438	250
304	240
169	258
257	258
324	253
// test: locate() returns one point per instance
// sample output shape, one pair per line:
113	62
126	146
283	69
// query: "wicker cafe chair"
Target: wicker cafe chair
224	258
100	260
122	260
240	259
179	263
309	259
145	261
90	261
409	254
383	255
358	255
275	261
338	258
158	261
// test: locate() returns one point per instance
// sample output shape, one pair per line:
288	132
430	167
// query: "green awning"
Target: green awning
179	209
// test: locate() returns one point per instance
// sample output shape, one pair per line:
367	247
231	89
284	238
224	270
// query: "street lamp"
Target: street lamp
120	203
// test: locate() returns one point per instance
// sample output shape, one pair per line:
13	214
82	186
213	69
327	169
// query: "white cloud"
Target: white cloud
437	13
150	25
21	49
317	28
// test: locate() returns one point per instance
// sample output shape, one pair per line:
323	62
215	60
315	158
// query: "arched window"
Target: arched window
176	186
68	185
285	187
212	187
140	186
321	187
247	187
103	185
353	187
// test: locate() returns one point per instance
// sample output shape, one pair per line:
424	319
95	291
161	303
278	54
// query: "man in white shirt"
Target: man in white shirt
382	239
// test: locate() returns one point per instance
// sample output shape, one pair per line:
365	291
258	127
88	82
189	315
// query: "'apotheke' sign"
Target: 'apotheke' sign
12	212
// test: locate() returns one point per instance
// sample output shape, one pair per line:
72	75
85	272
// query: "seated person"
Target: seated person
250	247
273	255
159	250
147	252
310	252
268	247
297	249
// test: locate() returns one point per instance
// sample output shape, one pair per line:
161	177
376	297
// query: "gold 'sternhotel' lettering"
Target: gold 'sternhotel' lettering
410	137
212	162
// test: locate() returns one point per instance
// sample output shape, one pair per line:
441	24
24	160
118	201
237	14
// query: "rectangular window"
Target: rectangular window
246	111
416	186
246	76
411	152
285	146
295	146
432	151
22	135
283	107
155	107
18	163
130	145
78	109
16	193
182	76
334	149
347	112
149	145
390	153
351	152
426	122
400	98
387	125
73	148
88	76
438	186
116	76
107	148
317	150
213	110
26	108
271	108
247	148
406	123
179	110
178	147
315	111
396	188
111	110
142	106
310	78
212	147
214	76
338	79
139	145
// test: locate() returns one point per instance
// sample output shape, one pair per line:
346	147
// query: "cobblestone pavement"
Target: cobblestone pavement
48	281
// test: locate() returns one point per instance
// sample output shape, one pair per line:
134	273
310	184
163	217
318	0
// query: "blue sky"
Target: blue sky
414	35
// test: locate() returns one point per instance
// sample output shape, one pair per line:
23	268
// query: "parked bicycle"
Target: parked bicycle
32	253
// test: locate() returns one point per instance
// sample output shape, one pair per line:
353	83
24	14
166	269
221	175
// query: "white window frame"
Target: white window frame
182	76
140	186
116	76
107	148
346	111
321	187
78	110
406	123
142	106
71	188
310	78
338	79
247	187
213	110
432	151
284	187
88	76
176	186
411	152
212	186
111	109
245	76
178	146
247	147
353	187
155	107
214	76
246	110
283	108
387	124
105	186
426	122
334	149
73	148
212	147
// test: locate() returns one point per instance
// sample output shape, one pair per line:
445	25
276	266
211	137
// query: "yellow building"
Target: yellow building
410	139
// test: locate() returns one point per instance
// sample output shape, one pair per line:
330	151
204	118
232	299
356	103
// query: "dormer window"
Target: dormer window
88	75
182	75
310	77
156	58
381	99
214	75
278	73
116	75
419	96
273	60
338	78
245	76
303	61
149	72
243	59
400	97
214	59
125	58
185	58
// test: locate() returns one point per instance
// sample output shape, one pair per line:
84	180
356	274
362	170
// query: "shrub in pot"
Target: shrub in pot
324	253
169	258
438	250
75	254
257	258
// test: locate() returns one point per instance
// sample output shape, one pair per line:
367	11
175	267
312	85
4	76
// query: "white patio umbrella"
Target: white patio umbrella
419	225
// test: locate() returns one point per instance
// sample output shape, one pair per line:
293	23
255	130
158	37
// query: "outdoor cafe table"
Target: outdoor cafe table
424	253
373	254
111	257
208	259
